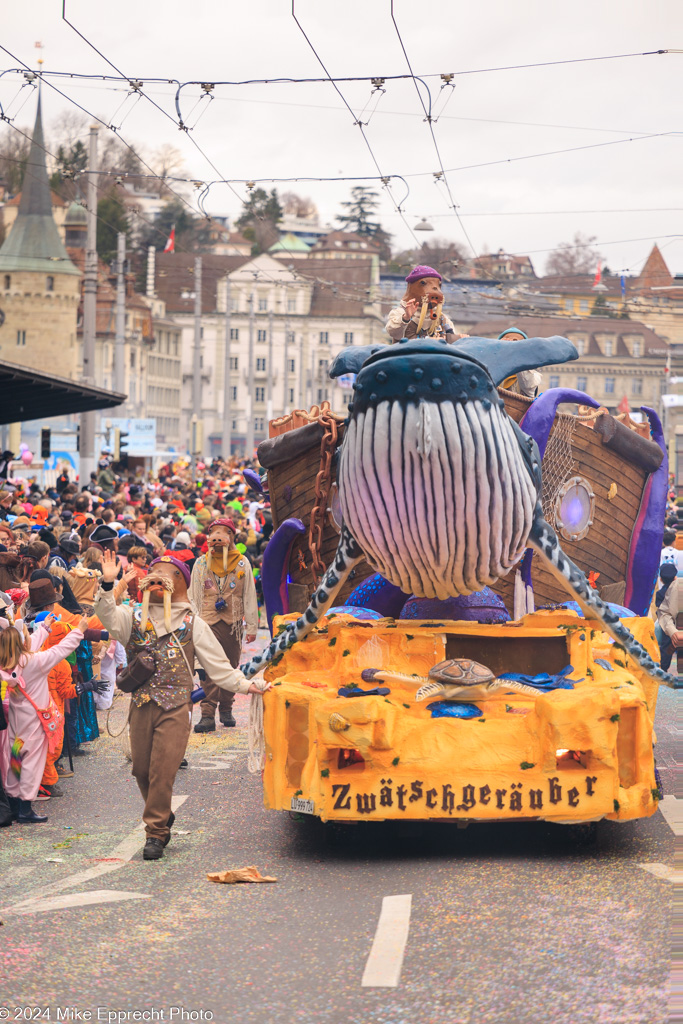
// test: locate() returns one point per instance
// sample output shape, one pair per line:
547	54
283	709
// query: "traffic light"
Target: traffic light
45	449
120	446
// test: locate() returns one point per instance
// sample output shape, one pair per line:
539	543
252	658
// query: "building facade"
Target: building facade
285	326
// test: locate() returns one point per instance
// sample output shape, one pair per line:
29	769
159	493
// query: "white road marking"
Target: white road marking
383	967
663	871
75	899
214	763
120	855
672	809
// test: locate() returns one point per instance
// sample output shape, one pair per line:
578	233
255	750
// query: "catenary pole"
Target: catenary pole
227	379
249	404
120	336
88	459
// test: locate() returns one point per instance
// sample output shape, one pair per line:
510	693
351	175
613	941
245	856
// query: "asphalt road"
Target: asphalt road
509	924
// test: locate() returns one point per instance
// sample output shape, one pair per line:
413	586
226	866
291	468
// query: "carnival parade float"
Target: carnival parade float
458	590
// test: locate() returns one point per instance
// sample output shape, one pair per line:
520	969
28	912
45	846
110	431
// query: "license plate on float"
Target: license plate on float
303	806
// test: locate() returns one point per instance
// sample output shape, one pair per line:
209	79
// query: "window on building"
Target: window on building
175	345
291	338
49	283
324	338
553	382
580	345
291	365
609	385
608	348
322	394
234	363
348	337
262	305
291	305
21	337
581	383
291	396
234	334
233	394
261	335
637	350
323	365
259	423
7	281
260	394
132	359
260	365
201	332
234	424
583	306
636	386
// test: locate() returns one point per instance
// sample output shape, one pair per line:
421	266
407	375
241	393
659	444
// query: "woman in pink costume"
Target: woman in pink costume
24	668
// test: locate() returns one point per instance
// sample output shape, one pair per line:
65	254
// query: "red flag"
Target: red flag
598	274
623	405
170	244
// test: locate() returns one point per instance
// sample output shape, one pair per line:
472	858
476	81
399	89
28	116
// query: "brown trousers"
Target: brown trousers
231	642
157	740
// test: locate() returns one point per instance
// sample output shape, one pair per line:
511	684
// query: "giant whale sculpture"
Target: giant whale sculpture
439	487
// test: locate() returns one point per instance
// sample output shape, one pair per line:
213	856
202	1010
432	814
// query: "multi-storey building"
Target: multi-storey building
292	319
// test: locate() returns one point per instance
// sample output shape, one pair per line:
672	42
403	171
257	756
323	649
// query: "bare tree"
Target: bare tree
294	205
577	257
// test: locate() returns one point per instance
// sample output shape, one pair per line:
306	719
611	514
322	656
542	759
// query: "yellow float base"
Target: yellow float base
565	756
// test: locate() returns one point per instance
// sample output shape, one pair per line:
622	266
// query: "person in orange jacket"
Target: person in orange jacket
62	687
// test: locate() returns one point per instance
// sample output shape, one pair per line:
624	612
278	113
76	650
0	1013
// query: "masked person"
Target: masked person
164	626
223	593
420	312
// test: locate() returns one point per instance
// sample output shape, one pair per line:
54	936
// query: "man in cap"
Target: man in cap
526	382
67	551
223	593
166	627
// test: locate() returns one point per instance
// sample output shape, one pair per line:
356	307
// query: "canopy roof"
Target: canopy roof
27	394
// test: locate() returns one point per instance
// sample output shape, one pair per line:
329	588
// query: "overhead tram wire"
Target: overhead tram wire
359	124
430	124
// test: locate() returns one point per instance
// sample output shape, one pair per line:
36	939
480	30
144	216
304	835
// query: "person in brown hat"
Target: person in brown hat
42	595
222	591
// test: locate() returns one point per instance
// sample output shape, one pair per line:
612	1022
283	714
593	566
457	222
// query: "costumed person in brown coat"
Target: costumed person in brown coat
420	313
223	593
165	626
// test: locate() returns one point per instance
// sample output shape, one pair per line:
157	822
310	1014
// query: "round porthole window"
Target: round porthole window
574	508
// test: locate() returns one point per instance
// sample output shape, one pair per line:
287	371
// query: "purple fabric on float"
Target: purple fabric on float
483	606
646	539
377	593
538	419
275	566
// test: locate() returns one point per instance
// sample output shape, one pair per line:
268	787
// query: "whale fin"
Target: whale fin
350	359
503	358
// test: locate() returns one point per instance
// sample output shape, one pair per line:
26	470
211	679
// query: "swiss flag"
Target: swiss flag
623	405
598	274
170	244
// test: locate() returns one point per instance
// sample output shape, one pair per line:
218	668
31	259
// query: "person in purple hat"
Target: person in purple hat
163	626
420	313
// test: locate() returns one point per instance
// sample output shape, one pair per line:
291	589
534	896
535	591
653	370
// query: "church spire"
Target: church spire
33	243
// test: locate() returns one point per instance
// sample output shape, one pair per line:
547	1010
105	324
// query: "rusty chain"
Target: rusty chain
323	480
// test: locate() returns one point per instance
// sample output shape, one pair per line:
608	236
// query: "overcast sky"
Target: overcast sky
292	130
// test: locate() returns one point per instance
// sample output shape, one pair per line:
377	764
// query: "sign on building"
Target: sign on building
142	435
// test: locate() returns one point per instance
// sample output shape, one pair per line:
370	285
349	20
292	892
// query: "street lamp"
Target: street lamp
423	225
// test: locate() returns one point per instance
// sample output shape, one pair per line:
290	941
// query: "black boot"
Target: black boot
14	803
205	725
27	816
228	719
154	848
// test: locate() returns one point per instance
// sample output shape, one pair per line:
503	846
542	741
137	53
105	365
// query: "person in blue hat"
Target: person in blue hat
526	382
